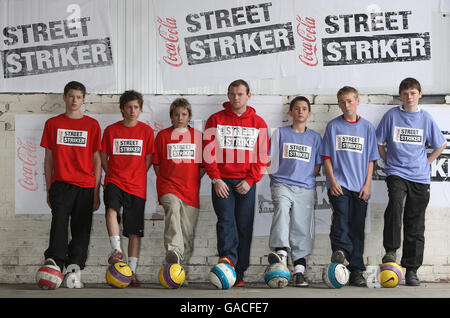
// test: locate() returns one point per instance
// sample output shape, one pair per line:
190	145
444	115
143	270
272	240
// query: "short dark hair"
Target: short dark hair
408	83
180	102
299	99
130	95
346	90
74	85
239	82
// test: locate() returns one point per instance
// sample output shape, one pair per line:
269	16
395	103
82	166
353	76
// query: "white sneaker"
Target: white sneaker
274	257
172	257
73	280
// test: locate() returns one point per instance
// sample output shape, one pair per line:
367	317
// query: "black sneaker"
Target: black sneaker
299	280
411	278
338	257
389	257
357	279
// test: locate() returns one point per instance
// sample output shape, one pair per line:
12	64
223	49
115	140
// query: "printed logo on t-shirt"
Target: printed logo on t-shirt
296	151
69	137
180	151
350	143
408	135
237	137
131	147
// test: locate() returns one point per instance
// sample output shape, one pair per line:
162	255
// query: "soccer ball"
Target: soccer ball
335	275
49	277
390	275
119	275
172	275
277	275
222	275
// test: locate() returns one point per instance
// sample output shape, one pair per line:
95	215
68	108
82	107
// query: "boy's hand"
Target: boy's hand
335	189
221	189
48	200
242	187
96	202
364	194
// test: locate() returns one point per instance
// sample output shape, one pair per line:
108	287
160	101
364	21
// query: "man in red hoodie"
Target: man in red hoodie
236	150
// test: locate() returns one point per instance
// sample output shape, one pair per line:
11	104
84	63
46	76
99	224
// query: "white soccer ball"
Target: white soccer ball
222	275
277	275
335	275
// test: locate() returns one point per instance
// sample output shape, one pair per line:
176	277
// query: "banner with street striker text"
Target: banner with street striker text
323	43
44	44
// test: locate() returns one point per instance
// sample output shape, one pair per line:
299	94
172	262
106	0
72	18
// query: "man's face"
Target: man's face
74	99
238	97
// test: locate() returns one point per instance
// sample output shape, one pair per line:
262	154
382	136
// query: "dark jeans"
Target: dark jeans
235	225
347	227
69	201
417	197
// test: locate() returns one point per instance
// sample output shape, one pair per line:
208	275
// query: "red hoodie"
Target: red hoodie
236	147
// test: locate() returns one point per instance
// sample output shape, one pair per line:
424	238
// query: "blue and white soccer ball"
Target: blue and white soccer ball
222	275
335	275
277	275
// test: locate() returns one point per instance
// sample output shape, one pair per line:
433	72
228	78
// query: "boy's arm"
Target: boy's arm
436	153
156	168
48	171
382	152
202	172
317	169
148	160
335	187
104	160
364	194
98	178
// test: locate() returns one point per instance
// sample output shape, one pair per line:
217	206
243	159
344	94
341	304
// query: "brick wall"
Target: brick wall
23	238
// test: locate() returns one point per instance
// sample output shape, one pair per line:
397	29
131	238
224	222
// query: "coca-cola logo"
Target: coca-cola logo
167	30
306	29
26	153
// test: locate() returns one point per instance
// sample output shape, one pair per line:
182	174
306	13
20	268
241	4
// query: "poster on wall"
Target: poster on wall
44	44
323	44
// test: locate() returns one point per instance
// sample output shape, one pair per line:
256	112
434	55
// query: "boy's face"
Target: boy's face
348	104
238	97
410	97
74	99
300	112
131	110
180	117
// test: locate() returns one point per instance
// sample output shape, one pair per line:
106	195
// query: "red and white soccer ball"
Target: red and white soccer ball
49	277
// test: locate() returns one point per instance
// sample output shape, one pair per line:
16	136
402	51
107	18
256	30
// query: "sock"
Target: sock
282	252
132	262
115	243
299	269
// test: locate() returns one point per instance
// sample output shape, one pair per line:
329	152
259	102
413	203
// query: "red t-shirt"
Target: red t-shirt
179	156
73	143
127	148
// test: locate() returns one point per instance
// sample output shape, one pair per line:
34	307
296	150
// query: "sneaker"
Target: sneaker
115	257
299	280
172	257
274	257
51	261
134	281
73	280
357	279
338	257
239	283
411	278
226	260
389	257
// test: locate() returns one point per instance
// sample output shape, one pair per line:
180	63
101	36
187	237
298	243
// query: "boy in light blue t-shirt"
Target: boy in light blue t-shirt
406	130
348	151
295	162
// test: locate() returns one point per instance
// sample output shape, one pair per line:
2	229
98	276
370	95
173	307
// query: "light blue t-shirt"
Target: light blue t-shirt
294	156
406	134
351	146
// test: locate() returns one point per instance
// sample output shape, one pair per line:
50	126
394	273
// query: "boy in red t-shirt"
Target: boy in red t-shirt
72	169
127	150
178	166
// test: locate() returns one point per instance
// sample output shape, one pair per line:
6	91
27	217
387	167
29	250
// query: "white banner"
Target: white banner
47	43
323	43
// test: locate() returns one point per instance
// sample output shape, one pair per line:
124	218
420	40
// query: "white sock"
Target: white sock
299	269
132	262
282	252
115	243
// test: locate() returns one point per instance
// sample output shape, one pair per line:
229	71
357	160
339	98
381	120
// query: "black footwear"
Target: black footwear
299	280
411	278
338	257
389	257
357	279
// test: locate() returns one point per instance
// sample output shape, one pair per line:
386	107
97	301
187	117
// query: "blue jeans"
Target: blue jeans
347	227
235	225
